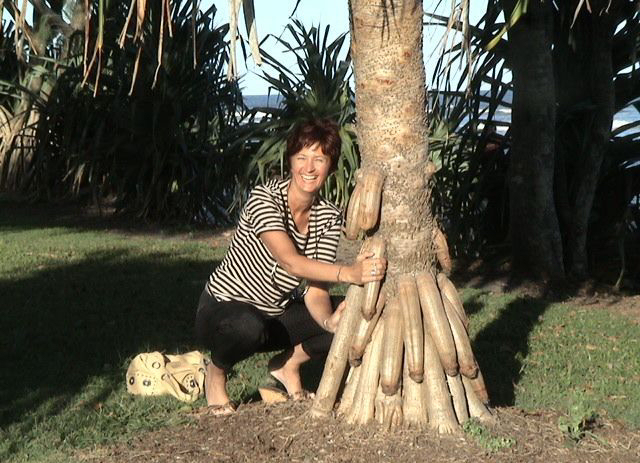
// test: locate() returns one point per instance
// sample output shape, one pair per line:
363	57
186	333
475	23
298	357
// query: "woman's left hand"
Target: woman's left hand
331	323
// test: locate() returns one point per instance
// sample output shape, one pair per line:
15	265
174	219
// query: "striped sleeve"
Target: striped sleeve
263	213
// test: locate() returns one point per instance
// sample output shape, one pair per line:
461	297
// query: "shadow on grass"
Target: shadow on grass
502	345
63	325
19	215
474	303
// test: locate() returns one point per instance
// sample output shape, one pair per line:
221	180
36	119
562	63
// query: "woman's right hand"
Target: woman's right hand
367	268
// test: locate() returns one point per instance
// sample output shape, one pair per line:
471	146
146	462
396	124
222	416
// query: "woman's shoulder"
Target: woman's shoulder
328	212
271	189
271	186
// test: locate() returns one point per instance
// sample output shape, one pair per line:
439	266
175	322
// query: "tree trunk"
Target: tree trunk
386	46
392	134
584	73
534	230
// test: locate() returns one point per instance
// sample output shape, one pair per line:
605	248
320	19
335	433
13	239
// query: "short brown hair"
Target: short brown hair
323	132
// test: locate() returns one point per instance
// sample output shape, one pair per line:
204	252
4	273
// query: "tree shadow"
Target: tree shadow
64	324
502	345
474	304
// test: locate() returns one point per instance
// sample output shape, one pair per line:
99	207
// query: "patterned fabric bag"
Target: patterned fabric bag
154	373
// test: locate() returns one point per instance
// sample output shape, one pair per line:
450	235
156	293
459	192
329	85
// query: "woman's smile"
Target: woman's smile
309	169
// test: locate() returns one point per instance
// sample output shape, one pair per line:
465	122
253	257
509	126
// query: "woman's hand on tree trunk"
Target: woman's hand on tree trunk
366	268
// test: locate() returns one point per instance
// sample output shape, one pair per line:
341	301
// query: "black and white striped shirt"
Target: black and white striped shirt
248	272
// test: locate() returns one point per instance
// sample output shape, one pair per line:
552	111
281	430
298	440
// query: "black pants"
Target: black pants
234	331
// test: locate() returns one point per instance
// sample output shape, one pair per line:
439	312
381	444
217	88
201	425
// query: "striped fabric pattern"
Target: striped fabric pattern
248	272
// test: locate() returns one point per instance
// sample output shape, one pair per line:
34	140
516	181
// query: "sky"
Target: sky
273	16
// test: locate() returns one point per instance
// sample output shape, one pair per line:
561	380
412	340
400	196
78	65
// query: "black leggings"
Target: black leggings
234	331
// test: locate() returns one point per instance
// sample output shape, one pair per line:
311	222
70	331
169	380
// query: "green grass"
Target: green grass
539	354
77	303
485	438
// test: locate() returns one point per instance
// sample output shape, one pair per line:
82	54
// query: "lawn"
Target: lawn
78	301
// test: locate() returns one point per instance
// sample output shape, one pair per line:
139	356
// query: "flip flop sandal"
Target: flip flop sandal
272	394
302	395
273	391
216	410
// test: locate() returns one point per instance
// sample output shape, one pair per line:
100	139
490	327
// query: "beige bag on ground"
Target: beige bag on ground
182	376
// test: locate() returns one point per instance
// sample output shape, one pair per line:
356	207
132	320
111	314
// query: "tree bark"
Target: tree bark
534	230
389	73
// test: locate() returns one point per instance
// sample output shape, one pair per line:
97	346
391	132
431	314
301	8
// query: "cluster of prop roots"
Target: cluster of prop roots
407	347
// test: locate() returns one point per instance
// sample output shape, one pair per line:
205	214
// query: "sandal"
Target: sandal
272	391
302	394
216	410
272	394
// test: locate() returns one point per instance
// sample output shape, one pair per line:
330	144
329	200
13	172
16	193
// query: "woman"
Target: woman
286	234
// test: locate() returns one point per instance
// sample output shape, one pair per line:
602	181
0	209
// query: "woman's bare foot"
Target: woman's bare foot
285	367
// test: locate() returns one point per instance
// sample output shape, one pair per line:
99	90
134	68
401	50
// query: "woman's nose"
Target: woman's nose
309	166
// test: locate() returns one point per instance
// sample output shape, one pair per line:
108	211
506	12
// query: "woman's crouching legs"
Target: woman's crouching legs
232	331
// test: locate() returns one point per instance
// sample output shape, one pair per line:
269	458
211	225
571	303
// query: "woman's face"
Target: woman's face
309	168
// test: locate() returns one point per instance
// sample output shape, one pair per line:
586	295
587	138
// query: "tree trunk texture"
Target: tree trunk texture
390	92
386	47
584	79
533	228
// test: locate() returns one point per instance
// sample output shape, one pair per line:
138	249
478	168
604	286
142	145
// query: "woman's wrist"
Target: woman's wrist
345	274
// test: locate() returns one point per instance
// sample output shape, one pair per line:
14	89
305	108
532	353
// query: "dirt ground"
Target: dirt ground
285	433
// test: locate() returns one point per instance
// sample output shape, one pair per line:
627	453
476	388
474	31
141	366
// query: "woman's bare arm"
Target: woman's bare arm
285	253
318	303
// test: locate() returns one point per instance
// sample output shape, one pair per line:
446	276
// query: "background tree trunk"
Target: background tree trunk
534	229
586	97
390	99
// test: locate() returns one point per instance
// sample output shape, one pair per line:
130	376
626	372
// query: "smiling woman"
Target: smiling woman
286	234
312	152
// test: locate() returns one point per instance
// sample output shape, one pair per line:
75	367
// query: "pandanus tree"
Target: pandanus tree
569	67
128	105
406	340
564	100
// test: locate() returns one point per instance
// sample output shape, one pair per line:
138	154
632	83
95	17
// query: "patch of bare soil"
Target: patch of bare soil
286	433
625	305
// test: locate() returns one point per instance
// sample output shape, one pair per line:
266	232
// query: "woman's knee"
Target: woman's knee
317	346
229	324
245	327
